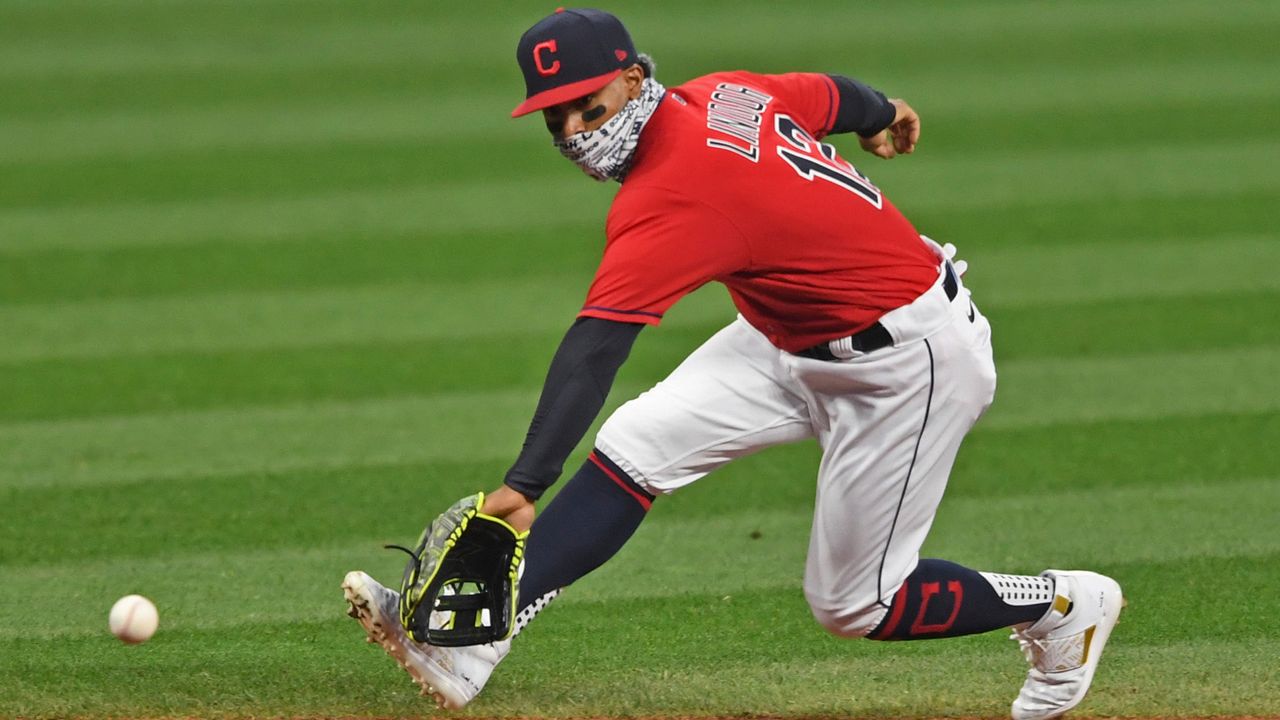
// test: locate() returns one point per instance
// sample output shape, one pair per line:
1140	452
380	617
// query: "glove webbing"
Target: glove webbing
470	562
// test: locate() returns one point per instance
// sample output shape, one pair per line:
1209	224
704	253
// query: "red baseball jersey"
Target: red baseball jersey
731	183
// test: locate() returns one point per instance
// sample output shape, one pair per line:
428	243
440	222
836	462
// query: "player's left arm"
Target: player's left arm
885	126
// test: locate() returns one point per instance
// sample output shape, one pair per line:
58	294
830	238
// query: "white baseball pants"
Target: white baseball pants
889	423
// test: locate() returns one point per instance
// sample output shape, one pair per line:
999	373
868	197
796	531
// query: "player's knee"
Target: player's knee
848	620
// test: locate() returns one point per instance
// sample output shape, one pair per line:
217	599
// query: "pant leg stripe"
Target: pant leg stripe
907	480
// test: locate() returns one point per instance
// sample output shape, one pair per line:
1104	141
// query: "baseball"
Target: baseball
133	619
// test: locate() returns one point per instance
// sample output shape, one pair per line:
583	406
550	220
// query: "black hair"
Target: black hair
646	63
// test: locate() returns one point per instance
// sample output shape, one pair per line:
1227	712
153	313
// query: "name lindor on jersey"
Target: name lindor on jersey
737	111
731	183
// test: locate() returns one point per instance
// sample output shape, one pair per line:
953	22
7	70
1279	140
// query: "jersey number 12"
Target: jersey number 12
811	159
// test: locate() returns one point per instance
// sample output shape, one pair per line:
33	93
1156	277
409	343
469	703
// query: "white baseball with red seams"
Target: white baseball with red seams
133	619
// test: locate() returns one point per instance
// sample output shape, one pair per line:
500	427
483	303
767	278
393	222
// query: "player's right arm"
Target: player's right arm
577	384
900	137
661	246
885	126
835	104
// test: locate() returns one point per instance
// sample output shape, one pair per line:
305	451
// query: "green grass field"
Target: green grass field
279	280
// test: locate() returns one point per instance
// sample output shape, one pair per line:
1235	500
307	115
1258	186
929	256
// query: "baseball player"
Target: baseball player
852	329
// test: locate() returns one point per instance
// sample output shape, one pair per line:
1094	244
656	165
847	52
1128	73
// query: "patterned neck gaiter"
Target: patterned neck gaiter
605	153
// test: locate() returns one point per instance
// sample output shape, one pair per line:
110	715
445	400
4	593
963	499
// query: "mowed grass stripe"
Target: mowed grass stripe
312	435
331	165
966	677
1064	274
296	253
1125	326
409	114
438	206
309	669
151	68
1205	448
320	506
336	161
1091	271
1142	171
234	42
354	258
1057	391
310	23
490	424
324	669
131	384
167	69
159	93
1016	179
1052	223
460	309
199	586
239	379
136	19
424	115
391	312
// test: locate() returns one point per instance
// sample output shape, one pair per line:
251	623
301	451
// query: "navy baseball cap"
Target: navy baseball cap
571	53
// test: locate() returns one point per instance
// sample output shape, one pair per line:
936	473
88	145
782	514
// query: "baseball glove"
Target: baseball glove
460	587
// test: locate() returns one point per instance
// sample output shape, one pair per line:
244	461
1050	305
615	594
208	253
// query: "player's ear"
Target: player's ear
633	77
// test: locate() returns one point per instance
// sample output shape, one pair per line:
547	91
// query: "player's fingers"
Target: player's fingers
879	145
902	139
906	131
961	266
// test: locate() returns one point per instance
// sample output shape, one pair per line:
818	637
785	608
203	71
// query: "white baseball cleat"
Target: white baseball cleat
1064	646
453	676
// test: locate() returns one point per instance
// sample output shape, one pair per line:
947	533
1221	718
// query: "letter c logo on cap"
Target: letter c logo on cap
550	47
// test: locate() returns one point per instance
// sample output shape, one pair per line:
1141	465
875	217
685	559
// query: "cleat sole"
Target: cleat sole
359	609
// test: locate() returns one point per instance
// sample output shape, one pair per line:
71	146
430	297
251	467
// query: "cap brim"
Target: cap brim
564	93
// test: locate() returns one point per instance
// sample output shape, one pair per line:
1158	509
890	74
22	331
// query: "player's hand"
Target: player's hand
511	506
900	137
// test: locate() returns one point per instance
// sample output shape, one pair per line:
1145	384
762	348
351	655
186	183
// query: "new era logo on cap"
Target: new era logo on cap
571	53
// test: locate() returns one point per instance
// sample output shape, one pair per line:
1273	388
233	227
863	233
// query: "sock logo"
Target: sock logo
928	591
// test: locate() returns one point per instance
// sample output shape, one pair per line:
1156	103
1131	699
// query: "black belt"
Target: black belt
877	336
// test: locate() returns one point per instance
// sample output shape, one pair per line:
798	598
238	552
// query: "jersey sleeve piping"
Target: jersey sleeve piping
833	103
634	317
616	311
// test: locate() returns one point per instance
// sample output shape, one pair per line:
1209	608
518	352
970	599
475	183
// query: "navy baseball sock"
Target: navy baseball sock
591	518
943	599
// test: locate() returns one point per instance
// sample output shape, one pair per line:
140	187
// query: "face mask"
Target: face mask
605	153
